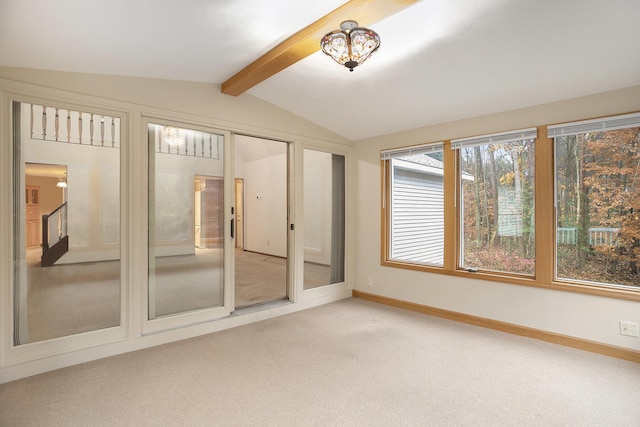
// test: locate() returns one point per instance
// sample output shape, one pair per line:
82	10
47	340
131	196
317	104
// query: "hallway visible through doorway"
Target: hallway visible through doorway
261	215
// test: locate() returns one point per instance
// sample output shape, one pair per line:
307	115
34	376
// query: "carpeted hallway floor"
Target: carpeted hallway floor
349	363
74	298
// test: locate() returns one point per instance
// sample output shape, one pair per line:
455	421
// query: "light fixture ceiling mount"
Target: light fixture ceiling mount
62	181
173	137
350	45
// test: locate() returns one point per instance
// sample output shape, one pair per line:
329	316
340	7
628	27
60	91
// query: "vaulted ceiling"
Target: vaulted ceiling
440	60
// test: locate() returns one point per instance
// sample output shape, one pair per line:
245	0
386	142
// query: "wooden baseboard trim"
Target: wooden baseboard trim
567	341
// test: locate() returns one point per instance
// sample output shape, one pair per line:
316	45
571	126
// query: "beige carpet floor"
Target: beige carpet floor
349	363
74	298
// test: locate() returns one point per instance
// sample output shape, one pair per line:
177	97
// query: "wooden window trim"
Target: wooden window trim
545	229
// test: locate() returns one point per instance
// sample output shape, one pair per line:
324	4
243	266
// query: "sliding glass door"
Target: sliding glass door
66	213
262	218
218	231
187	224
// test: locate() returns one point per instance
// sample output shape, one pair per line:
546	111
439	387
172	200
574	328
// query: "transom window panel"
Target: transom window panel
417	205
496	203
597	169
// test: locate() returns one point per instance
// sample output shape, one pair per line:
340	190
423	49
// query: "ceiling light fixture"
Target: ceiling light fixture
62	181
173	136
350	45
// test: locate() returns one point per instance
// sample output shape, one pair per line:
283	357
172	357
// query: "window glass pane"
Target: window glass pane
417	209
324	226
262	224
186	220
598	207
497	207
67	245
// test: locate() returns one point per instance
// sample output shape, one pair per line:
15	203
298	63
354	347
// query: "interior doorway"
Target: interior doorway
208	217
262	206
45	186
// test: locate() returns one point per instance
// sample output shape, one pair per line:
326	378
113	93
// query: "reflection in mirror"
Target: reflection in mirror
324	218
66	222
186	220
262	200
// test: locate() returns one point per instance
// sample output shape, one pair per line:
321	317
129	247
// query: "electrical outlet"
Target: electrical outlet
628	328
370	283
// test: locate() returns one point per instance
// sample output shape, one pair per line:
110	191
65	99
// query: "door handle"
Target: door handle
232	228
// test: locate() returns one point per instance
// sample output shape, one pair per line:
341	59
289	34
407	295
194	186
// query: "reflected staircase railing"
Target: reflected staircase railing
55	241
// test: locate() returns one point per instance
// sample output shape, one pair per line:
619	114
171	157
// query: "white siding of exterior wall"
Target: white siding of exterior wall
417	207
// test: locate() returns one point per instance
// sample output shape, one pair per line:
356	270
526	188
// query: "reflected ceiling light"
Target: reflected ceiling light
62	182
173	136
350	45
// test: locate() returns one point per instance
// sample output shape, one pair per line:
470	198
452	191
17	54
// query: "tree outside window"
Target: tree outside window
497	212
598	206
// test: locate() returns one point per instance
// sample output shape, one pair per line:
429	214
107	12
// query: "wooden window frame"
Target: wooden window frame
545	229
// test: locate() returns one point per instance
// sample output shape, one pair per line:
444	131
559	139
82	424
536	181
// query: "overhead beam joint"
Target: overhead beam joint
307	41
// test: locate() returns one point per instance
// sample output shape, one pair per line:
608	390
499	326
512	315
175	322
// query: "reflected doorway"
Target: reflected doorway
262	201
208	216
44	194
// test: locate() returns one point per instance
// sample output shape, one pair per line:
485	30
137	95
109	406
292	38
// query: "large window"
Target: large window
597	169
417	205
497	202
554	206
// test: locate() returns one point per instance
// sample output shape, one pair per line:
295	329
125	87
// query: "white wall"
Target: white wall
174	200
584	316
265	215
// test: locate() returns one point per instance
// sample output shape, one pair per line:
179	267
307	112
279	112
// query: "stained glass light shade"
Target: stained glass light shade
350	45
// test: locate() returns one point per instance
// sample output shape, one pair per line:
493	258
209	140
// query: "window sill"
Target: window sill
618	292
